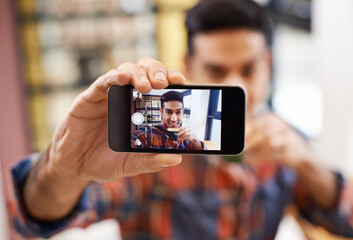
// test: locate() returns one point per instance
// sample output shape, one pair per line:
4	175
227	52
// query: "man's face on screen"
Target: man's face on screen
172	113
238	56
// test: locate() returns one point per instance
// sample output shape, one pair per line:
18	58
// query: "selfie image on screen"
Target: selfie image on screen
184	119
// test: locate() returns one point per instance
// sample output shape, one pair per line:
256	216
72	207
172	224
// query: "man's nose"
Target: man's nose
235	79
174	117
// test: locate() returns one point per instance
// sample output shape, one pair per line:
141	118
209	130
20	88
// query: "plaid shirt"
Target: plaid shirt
157	137
202	198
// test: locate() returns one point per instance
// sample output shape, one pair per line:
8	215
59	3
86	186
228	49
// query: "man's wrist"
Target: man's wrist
62	179
60	175
197	144
320	183
50	192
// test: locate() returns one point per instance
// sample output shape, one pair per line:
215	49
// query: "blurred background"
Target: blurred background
50	50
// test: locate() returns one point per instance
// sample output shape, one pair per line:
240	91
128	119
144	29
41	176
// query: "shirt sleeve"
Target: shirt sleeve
97	202
338	220
139	139
190	146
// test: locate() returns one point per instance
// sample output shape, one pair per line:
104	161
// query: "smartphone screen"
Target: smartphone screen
181	118
184	119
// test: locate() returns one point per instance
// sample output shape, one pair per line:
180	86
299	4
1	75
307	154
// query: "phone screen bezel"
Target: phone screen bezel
232	123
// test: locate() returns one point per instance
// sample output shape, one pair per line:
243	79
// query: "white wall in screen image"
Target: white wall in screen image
198	113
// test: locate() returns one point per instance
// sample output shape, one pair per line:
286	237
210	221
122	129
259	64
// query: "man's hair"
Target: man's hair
172	96
212	15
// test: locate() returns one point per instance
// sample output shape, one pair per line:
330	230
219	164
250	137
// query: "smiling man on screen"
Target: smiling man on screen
158	137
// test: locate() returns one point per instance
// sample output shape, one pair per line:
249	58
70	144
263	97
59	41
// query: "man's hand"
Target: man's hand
80	143
79	152
269	138
186	134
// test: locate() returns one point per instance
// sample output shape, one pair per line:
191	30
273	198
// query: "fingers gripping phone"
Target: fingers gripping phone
192	119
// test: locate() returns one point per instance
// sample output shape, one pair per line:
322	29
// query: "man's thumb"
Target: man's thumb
147	163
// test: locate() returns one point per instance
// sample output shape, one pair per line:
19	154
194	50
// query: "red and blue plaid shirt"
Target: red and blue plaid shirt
202	198
156	137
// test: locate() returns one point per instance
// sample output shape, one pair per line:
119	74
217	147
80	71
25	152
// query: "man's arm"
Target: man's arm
97	202
79	152
53	189
322	196
320	184
269	138
337	216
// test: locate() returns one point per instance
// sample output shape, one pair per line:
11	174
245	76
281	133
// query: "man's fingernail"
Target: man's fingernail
144	79
175	74
112	76
171	160
160	76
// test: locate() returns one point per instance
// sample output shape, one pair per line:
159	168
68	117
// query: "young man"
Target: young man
204	197
172	112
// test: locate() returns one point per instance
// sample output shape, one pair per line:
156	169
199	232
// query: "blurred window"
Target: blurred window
213	125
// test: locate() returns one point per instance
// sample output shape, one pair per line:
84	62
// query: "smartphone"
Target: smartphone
188	119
